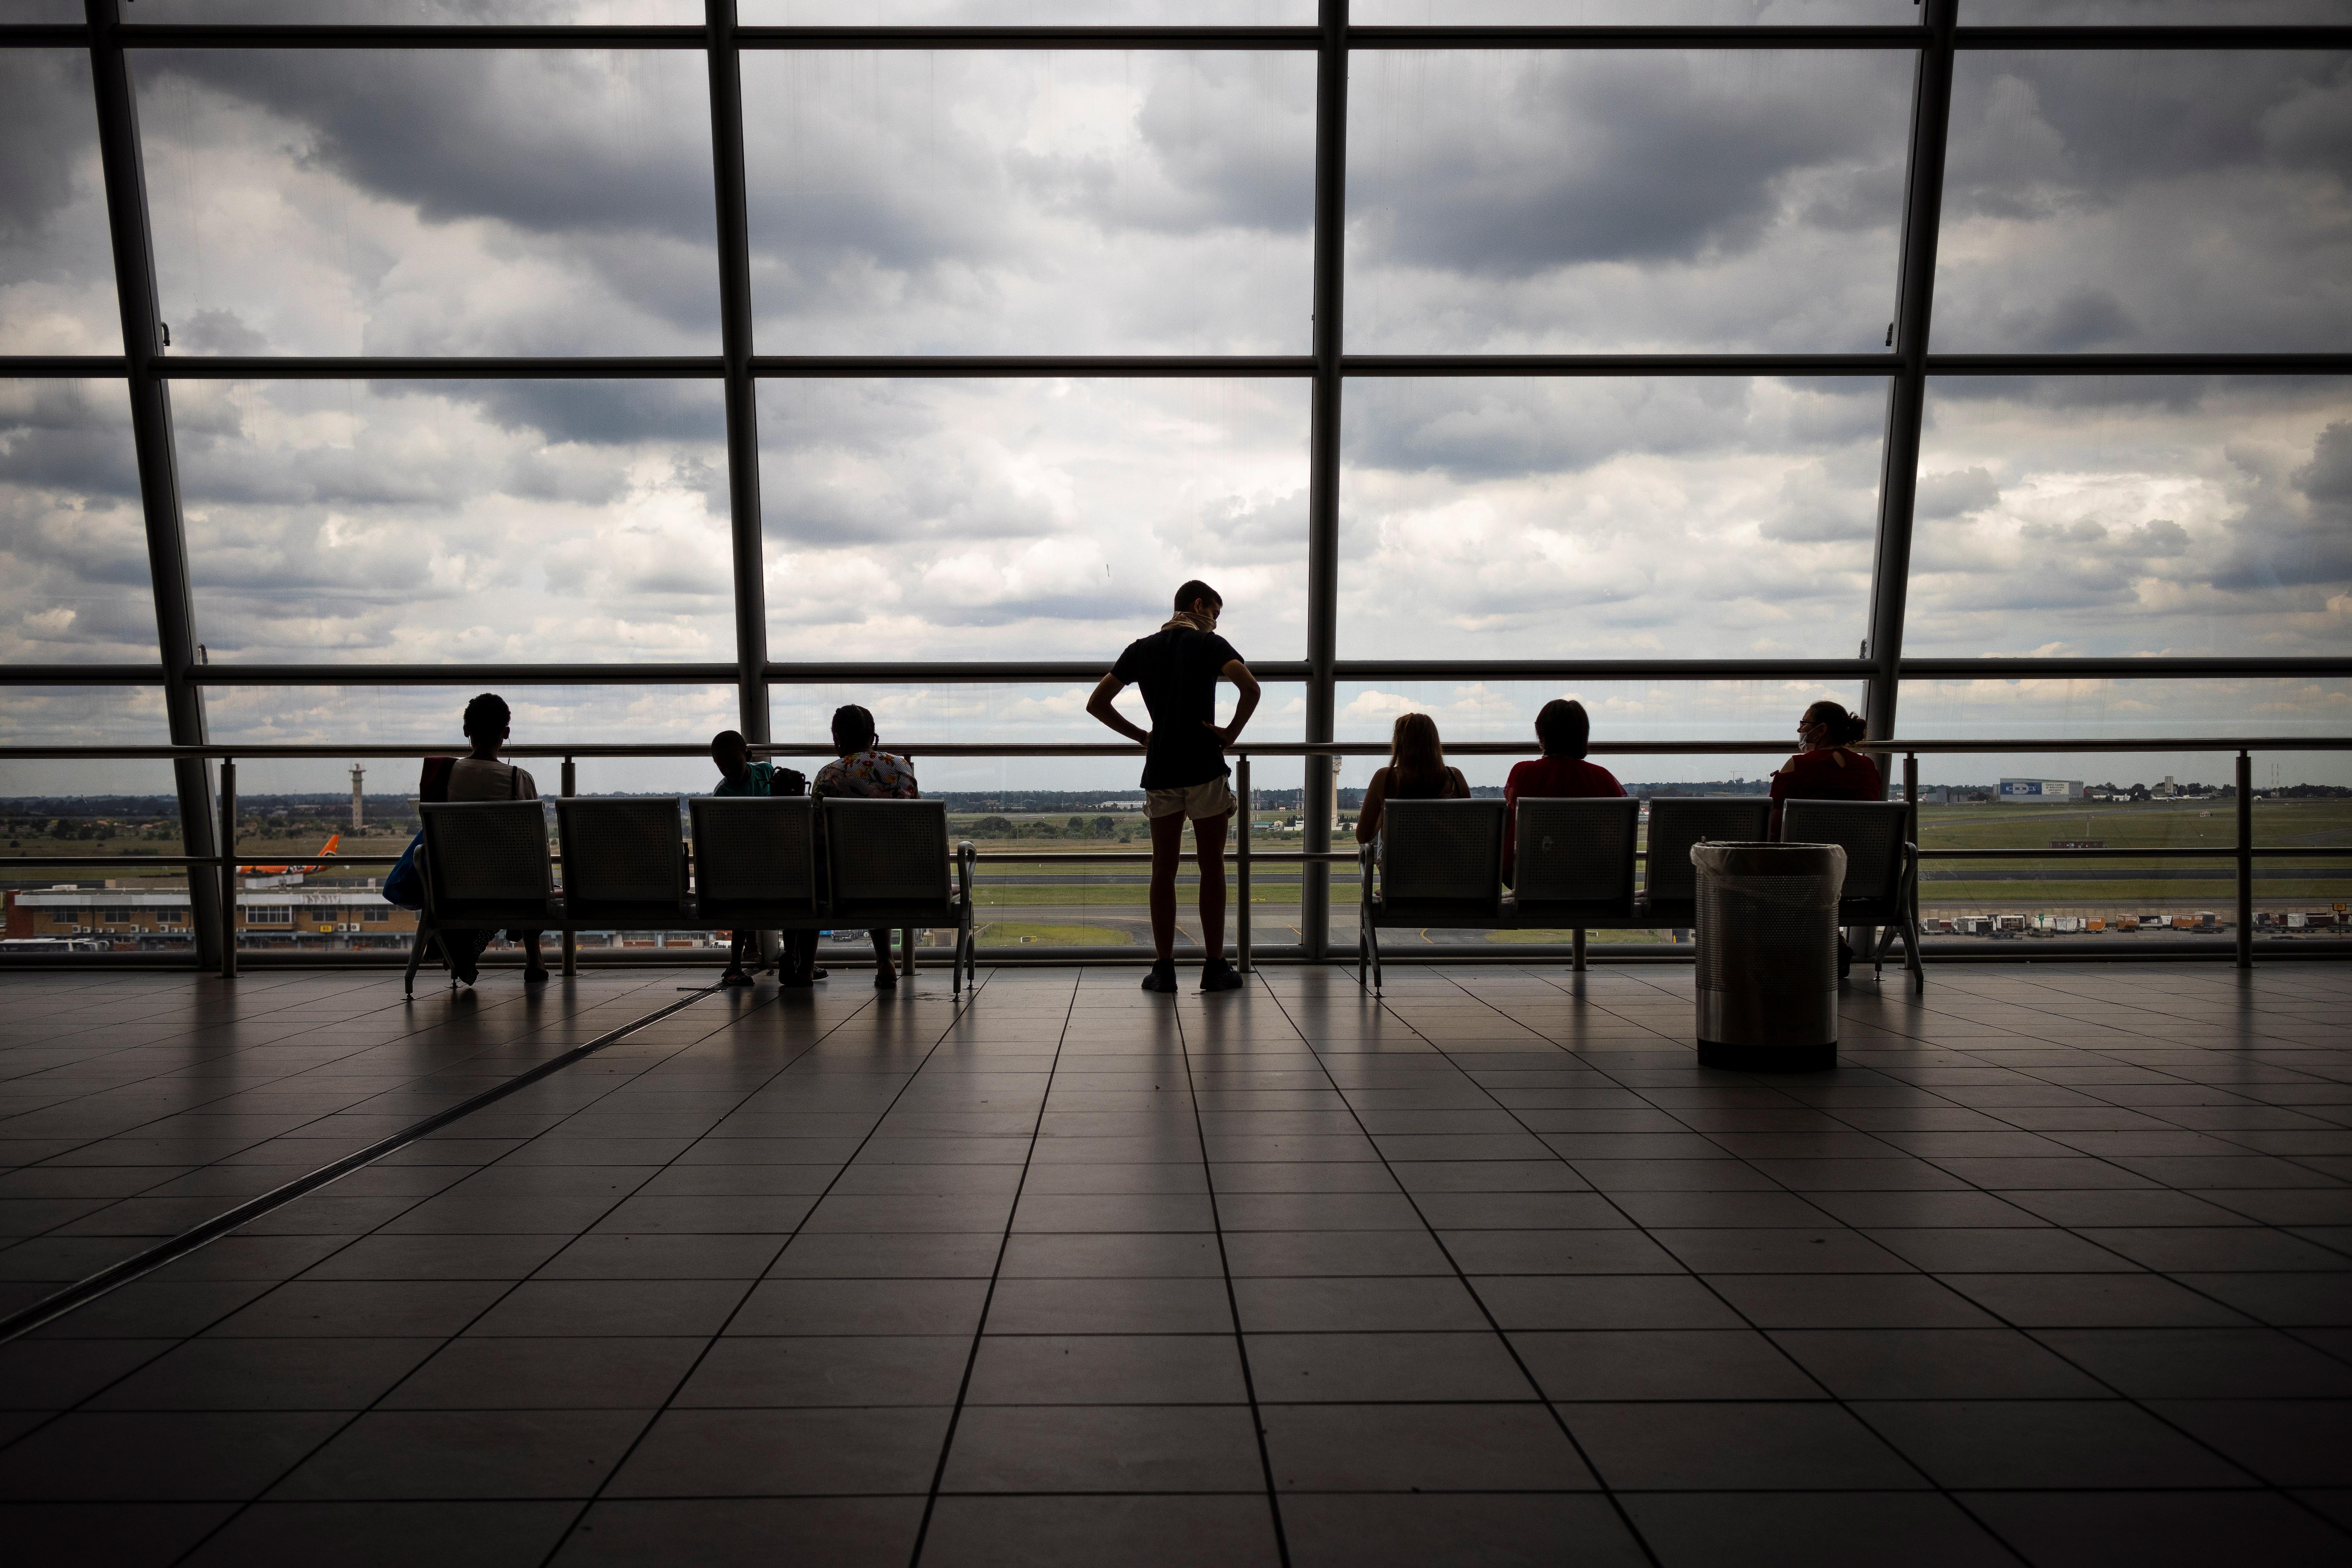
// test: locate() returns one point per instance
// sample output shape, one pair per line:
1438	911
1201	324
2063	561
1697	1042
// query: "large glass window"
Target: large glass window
2163	199
1620	12
73	536
57	265
945	197
1085	202
415	521
1622	200
431	201
2134	515
990	519
607	13
1608	517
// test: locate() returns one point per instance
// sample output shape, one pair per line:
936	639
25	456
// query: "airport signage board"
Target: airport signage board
2042	789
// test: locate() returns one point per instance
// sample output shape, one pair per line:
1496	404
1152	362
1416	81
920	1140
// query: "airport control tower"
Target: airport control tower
358	800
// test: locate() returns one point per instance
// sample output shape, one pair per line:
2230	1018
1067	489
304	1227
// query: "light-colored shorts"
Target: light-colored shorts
1198	802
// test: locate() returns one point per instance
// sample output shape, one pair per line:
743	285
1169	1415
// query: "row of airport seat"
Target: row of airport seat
1438	864
758	863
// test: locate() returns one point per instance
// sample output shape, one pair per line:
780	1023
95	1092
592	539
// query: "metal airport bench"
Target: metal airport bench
773	864
1439	864
1881	869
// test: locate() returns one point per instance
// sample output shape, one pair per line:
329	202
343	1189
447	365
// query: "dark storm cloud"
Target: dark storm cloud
1942	495
46	127
2122	119
1503	428
590	413
69	437
557	141
1641	157
2282	547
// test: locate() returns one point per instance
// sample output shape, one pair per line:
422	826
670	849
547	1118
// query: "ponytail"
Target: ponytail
1844	728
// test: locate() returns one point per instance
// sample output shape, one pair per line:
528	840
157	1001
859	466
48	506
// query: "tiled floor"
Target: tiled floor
134	1105
2056	1268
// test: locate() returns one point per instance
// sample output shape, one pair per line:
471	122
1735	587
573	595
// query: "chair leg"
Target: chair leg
1577	963
1373	931
415	957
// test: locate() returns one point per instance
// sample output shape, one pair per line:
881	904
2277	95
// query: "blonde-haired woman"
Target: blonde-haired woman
1417	771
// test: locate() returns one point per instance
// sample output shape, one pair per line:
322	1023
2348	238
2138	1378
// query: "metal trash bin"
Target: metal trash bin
1767	944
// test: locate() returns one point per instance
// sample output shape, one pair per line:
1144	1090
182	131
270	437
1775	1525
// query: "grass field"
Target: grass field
2005	885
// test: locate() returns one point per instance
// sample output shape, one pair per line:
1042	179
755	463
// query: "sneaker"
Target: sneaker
735	977
1846	960
1218	975
1162	976
534	976
885	979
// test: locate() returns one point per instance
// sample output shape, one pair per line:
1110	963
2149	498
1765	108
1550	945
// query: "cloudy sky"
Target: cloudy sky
906	202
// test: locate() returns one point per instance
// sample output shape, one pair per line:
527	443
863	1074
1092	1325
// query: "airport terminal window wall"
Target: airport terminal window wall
672	365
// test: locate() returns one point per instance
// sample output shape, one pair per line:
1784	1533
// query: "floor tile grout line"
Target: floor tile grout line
259	1142
1551	1407
962	1003
353	1417
1933	1162
996	1272
179	1339
115	1276
1828	1394
1233	1299
2026	1333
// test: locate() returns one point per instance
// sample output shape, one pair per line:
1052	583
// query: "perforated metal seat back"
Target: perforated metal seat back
488	852
1677	825
1870	832
1576	850
622	851
748	849
1442	851
887	851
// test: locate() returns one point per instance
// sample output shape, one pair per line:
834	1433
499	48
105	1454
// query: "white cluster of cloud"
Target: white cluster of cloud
1029	519
2159	515
435	522
549	202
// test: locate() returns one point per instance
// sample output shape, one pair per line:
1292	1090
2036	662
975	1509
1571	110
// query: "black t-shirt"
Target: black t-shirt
1178	671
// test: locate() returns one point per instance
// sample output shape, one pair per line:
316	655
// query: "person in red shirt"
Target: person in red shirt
1564	729
1826	767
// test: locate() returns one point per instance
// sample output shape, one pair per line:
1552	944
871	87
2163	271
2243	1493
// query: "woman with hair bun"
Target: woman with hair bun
1826	766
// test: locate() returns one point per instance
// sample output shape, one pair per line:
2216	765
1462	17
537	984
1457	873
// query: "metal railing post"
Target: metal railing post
1317	799
227	868
1242	868
571	937
2245	859
1911	830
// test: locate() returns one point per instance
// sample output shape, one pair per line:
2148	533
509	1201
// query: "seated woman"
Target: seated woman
875	774
479	776
1826	767
1564	730
1417	771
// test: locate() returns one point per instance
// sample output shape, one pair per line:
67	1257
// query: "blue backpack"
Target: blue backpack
404	888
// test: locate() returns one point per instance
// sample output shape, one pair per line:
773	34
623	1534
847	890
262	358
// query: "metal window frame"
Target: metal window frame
1935	38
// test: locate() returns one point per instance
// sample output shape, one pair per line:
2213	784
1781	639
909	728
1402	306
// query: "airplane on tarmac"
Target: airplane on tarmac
327	849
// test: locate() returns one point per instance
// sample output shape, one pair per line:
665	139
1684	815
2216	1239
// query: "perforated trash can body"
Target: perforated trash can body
1767	934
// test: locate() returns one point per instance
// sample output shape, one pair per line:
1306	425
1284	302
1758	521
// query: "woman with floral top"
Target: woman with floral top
872	774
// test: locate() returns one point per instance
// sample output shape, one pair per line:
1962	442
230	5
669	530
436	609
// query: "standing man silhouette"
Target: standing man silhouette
1184	766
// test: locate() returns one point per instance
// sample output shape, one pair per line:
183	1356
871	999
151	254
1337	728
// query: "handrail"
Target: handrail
2244	851
268	751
